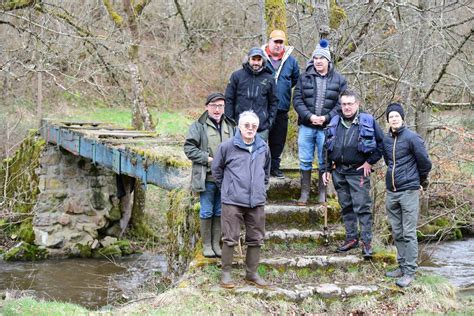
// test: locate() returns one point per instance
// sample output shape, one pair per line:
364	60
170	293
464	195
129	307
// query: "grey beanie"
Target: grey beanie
322	50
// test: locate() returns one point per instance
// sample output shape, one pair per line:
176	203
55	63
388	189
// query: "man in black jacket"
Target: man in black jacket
408	165
316	100
253	88
354	143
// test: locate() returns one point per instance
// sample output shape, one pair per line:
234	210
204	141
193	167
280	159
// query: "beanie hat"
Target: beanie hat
214	97
322	50
397	107
256	51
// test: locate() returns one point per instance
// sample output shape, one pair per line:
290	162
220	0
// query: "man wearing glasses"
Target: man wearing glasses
241	168
354	143
286	71
204	135
253	88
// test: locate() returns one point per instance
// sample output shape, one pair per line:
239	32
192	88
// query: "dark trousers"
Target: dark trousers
234	216
353	193
277	137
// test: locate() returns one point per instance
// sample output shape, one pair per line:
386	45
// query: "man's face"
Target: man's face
395	120
215	109
349	106
248	128
321	64
275	46
256	62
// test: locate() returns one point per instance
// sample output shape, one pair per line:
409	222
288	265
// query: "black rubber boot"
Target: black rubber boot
206	233
321	188
305	187
227	257
251	263
216	236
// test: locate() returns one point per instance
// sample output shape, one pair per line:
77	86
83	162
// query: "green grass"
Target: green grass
169	123
28	306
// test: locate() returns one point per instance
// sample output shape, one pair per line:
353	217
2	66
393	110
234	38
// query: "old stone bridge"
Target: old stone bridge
86	174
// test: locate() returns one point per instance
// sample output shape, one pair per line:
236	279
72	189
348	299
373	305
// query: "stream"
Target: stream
92	283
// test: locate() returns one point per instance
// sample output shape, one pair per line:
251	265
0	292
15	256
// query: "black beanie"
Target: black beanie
397	107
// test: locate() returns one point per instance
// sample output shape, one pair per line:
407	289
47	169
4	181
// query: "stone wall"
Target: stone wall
77	206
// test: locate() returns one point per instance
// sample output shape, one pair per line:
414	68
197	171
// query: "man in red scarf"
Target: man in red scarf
286	72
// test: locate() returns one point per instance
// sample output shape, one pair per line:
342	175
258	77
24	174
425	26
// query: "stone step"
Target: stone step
311	261
288	188
294	216
300	292
302	236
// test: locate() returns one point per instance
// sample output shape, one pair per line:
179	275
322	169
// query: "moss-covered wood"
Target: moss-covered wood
275	15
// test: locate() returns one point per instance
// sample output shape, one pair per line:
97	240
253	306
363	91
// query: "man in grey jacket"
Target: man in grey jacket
201	143
241	168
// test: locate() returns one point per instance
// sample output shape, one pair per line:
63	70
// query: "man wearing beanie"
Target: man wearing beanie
253	88
204	136
408	165
286	71
316	100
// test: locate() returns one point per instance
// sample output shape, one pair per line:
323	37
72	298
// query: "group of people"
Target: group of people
236	145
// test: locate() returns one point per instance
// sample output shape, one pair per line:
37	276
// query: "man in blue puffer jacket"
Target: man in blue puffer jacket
408	165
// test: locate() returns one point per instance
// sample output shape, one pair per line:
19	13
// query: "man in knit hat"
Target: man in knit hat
253	88
286	71
408	165
316	100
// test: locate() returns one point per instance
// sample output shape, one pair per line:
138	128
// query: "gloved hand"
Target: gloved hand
424	183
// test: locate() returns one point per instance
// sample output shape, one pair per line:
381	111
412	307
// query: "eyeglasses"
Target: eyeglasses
250	126
348	104
216	106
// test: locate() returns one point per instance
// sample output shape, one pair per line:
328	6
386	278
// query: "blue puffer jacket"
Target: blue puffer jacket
286	77
304	98
408	163
242	176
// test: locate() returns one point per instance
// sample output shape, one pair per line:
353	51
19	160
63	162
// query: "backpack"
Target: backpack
367	142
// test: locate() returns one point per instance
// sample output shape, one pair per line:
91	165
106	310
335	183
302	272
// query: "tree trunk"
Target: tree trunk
321	17
275	15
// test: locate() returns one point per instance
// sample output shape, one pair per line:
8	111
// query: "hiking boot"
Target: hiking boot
367	250
251	263
405	280
277	173
348	245
397	273
305	187
206	233
227	257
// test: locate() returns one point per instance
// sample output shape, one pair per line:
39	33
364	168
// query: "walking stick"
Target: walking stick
325	227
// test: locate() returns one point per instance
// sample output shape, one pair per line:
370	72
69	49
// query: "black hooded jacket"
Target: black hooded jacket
304	97
249	90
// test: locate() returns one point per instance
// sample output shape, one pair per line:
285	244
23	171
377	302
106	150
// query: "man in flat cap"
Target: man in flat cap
253	88
204	136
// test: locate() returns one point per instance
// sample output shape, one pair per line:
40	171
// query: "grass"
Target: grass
28	306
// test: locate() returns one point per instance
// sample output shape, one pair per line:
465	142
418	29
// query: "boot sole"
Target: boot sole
227	285
256	284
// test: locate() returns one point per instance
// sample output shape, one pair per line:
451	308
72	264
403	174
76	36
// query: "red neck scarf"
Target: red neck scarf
279	57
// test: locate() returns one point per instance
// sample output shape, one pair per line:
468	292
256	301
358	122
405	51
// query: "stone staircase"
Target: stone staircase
298	258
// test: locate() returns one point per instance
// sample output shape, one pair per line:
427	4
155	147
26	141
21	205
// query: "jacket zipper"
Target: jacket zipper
394	163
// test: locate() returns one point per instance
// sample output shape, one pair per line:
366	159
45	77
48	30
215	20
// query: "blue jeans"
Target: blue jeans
210	201
308	139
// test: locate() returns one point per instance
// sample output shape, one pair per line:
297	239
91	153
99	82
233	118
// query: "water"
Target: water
92	283
453	260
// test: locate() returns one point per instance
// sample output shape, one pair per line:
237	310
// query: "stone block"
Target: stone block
69	171
53	171
108	241
45	219
49	240
114	230
52	183
73	206
329	290
51	157
115	213
64	219
99	200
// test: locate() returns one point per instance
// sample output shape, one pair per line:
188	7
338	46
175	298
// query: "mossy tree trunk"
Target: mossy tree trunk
275	15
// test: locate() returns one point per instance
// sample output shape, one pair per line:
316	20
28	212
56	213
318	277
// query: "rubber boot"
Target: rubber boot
227	257
216	236
251	263
206	233
321	188
305	187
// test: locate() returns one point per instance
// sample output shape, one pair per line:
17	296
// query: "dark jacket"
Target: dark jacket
407	160
248	90
345	153
286	77
242	176
304	97
196	147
